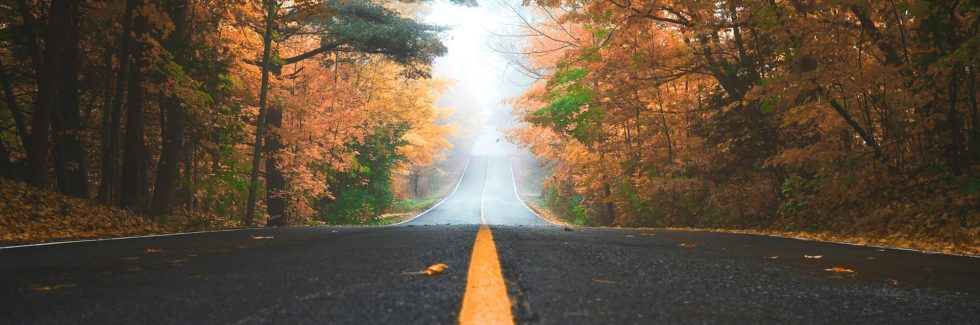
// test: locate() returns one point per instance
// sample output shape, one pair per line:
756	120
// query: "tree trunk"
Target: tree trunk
47	83
30	36
953	124
70	149
173	129
133	187
6	168
610	215
275	181
107	188
415	184
271	7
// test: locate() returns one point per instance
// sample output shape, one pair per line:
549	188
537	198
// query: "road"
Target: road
550	274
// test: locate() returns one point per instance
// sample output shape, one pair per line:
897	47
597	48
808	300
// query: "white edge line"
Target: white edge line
122	238
513	181
463	174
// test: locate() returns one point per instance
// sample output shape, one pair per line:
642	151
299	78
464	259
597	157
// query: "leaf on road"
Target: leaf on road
684	245
771	257
838	269
51	287
813	256
152	250
437	268
630	236
647	234
262	237
601	281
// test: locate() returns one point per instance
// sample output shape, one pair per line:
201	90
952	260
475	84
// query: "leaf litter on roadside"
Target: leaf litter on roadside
686	245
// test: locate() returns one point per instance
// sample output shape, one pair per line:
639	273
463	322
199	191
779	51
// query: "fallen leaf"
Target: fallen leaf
600	281
645	234
263	237
435	269
152	250
771	257
894	282
813	256
838	269
51	287
687	245
630	236
176	261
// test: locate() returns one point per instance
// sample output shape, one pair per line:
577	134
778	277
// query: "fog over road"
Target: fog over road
490	180
552	274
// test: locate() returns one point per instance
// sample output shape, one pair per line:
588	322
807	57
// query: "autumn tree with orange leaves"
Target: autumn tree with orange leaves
847	116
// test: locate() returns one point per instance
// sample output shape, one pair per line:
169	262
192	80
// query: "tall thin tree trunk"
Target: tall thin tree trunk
30	35
47	83
107	186
6	168
953	122
70	153
271	7
173	130
275	181
133	187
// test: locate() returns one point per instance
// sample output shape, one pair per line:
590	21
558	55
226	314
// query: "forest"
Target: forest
253	112
844	116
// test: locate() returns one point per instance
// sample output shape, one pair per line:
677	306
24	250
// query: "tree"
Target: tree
354	26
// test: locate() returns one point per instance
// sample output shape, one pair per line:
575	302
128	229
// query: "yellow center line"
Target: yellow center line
485	300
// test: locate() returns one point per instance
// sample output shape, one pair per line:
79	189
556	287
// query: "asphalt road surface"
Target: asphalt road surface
552	275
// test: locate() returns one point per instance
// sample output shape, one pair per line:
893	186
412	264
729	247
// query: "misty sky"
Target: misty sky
483	78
